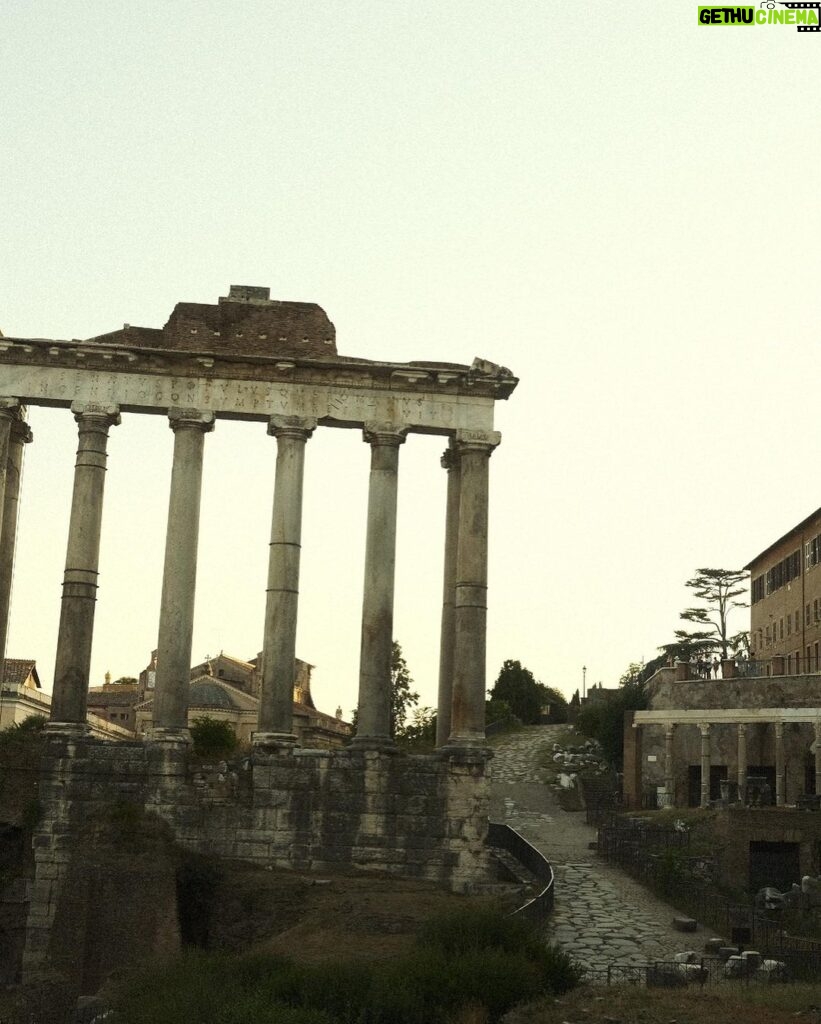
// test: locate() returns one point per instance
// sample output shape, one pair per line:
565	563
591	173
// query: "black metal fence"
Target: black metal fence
664	860
785	969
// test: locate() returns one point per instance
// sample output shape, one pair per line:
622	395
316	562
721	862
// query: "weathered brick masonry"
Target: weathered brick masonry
422	816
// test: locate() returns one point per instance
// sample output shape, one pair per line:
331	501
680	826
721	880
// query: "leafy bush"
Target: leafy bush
603	720
213	739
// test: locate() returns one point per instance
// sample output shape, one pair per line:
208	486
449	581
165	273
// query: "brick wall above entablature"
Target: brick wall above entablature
744	693
251	358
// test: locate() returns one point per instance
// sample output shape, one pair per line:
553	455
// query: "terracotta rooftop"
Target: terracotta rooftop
17	671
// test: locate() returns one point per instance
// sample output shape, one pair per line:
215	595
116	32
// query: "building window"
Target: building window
781	629
789	625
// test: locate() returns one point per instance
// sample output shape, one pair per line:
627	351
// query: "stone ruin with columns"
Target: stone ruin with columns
275	363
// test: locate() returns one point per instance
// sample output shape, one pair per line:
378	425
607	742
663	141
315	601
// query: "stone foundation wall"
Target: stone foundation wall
736	829
415	816
758	692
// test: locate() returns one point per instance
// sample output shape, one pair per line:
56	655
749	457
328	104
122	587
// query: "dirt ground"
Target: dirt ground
316	918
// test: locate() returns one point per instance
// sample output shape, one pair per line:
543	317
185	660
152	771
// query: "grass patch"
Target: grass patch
472	964
731	1004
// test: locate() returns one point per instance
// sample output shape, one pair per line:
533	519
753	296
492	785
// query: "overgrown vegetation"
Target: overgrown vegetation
213	739
603	720
476	961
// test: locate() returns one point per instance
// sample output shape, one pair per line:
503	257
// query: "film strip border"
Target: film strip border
804	6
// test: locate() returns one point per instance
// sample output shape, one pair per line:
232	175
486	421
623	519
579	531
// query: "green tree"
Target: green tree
688	646
718	589
603	720
519	689
557	702
213	738
403	698
420	732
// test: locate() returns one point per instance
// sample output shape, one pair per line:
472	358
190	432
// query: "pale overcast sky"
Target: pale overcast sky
613	201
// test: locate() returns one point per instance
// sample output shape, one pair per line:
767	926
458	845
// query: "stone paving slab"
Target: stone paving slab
602	916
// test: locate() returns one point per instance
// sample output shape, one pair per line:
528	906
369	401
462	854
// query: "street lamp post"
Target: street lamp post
584	681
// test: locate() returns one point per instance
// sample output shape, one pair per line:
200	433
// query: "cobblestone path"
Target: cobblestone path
602	916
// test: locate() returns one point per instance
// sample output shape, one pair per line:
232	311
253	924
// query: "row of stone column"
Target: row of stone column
462	669
706	761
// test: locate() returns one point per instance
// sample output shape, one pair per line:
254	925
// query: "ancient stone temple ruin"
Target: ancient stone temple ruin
275	363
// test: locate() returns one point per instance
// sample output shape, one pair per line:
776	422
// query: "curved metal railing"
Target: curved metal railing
540	907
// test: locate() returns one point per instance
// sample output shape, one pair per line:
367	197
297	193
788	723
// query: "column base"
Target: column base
463	749
274	742
169	736
384	744
69	730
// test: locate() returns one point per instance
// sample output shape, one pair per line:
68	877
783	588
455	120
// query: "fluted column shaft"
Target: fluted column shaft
742	762
705	765
780	779
179	575
470	603
374	718
20	435
450	462
73	658
275	723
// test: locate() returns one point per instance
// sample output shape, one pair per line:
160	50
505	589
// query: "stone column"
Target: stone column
742	762
817	755
275	725
374	718
73	657
705	763
450	462
9	413
179	576
470	606
780	788
20	435
669	765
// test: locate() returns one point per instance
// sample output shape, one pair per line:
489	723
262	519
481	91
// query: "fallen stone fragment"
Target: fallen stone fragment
684	924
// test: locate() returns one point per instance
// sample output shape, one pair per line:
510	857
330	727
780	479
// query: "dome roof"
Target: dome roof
211	695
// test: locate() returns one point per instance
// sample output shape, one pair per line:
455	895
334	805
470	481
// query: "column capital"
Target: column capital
476	441
742	728
779	729
390	434
191	419
298	427
21	432
104	416
705	728
668	728
10	407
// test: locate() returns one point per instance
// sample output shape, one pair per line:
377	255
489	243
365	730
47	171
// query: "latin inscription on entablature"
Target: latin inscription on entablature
248	399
